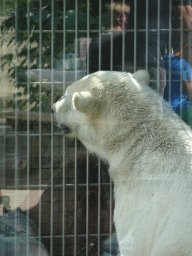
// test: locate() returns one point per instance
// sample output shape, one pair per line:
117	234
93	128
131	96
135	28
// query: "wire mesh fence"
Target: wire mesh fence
57	198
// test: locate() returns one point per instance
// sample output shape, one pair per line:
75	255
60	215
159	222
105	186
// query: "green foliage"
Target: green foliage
27	20
6	6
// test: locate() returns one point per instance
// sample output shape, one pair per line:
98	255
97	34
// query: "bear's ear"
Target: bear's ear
142	76
83	101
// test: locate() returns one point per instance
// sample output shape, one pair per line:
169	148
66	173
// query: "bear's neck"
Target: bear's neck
145	154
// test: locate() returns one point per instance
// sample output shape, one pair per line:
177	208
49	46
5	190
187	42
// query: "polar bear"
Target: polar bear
149	152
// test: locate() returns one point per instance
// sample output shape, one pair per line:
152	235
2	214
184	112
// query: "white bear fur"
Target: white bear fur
149	151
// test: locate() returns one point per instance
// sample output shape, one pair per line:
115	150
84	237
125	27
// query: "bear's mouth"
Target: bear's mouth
63	128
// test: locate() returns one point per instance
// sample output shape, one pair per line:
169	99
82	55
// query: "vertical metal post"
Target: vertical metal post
87	206
111	213
135	35
75	202
123	40
190	53
52	135
28	118
158	43
170	46
87	157
40	119
87	166
99	206
147	34
63	202
88	33
76	37
2	132
111	53
110	210
190	38
16	114
100	52
63	139
75	181
181	62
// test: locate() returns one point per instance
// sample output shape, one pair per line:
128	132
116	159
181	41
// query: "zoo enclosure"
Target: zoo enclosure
54	180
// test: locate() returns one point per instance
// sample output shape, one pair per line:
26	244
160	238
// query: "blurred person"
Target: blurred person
112	39
178	90
184	23
152	24
18	235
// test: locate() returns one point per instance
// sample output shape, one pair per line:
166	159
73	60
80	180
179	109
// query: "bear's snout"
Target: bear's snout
64	128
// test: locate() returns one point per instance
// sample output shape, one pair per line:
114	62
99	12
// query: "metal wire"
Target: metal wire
158	44
52	133
135	35
28	120
147	34
63	140
68	185
99	205
87	205
40	121
123	41
2	133
100	24
75	202
87	156
16	119
75	191
170	49
88	33
111	52
181	62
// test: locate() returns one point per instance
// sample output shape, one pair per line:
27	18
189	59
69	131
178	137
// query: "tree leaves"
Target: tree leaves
26	23
8	58
81	20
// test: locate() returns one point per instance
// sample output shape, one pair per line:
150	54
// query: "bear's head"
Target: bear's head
95	107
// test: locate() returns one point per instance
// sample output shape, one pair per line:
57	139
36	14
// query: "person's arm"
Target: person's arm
186	12
188	21
187	86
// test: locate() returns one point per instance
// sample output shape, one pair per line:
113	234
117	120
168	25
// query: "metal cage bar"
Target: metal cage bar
40	124
64	185
16	121
63	140
135	35
52	133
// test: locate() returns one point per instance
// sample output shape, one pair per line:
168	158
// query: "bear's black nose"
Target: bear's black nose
53	109
64	128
